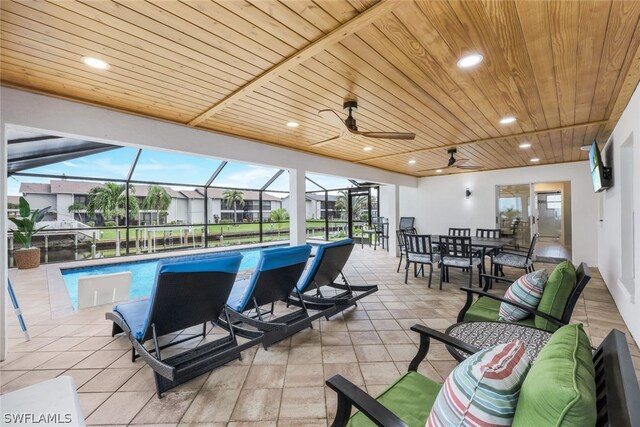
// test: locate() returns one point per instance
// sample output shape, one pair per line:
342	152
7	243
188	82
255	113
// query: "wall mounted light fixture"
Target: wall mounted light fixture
467	193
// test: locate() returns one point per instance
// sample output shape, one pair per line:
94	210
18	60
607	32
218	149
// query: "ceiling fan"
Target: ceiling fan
454	163
349	129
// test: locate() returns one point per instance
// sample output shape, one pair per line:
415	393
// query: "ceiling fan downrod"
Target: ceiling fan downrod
350	106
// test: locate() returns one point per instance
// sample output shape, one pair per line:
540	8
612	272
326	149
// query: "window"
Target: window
554	201
80	199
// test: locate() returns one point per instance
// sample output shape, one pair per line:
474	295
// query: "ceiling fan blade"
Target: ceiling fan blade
333	118
388	135
470	168
434	169
325	142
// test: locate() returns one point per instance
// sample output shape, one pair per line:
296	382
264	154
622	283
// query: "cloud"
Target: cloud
254	177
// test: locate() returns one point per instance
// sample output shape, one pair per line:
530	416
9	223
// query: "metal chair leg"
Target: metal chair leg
430	273
470	277
406	272
399	264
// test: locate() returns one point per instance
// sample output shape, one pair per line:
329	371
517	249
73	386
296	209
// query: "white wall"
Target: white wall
63	201
409	205
610	229
41	201
389	209
441	201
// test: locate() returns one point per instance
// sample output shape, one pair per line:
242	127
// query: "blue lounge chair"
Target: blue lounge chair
274	279
325	270
187	292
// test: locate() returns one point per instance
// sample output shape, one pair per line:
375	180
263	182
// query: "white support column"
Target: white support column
4	254
297	207
389	209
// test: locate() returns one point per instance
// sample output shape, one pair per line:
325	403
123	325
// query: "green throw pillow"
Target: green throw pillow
560	388
556	294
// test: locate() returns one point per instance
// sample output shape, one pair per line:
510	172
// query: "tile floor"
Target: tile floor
551	249
284	386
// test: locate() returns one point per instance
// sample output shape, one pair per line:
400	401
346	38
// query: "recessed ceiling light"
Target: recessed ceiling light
95	63
469	61
507	120
412	162
525	145
585	147
367	148
293	124
438	170
535	159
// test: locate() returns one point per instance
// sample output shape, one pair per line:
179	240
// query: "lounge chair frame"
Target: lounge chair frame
326	269
269	286
186	293
175	370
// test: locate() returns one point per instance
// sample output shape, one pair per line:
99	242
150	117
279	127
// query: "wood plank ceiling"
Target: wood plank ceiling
564	69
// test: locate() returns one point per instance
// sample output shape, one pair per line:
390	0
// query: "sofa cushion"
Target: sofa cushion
527	290
488	309
512	260
556	294
410	398
135	314
560	389
482	390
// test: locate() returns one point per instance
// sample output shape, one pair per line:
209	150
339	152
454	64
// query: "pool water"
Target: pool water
142	274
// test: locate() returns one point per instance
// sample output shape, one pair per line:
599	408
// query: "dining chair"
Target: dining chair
488	233
372	232
515	259
406	222
457	252
459	232
419	251
382	234
402	242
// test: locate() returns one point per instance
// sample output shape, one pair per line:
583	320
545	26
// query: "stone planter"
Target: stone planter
27	258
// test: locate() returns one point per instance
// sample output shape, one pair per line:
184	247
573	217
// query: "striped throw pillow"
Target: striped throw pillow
527	290
483	390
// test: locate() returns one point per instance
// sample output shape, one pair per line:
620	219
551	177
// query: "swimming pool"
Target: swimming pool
142	274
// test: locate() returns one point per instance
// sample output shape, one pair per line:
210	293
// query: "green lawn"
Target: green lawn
226	229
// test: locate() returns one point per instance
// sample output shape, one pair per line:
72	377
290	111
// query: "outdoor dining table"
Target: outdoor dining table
485	244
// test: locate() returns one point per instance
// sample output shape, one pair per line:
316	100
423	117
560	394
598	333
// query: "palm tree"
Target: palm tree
233	198
279	216
157	200
75	208
110	200
358	203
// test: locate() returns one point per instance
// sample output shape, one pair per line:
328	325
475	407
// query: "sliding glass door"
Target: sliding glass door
513	212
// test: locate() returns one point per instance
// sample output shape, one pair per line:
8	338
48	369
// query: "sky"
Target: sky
160	166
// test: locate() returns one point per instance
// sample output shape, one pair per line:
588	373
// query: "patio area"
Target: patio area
284	386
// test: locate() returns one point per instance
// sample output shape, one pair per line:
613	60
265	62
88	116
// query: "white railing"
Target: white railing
53	227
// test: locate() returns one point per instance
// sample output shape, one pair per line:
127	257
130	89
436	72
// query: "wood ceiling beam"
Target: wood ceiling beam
485	140
343	31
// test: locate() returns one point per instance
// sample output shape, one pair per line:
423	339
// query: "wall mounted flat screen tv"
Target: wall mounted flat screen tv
600	174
